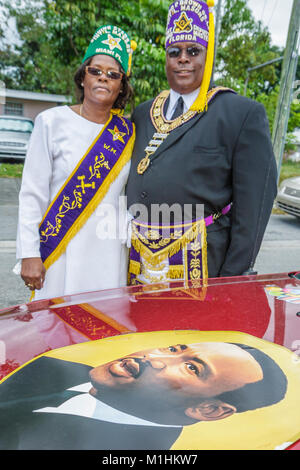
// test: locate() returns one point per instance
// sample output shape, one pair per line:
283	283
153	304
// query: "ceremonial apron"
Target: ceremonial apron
161	253
86	187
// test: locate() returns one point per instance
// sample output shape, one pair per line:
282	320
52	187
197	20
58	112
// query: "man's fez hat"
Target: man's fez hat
192	21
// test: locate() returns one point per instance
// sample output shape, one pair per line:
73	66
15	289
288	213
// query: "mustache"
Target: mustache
135	366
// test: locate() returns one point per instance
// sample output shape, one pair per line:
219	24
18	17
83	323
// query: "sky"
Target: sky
275	14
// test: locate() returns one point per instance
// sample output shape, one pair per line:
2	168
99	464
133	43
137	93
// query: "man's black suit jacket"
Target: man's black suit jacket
44	382
220	156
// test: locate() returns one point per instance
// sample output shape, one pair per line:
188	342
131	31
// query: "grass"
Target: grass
11	170
14	170
289	169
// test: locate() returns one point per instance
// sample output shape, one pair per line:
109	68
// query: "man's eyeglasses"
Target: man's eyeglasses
96	72
191	51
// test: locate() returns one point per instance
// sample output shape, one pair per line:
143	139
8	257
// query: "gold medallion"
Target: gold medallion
143	165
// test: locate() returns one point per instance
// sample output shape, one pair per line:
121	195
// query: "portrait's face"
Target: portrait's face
200	370
185	71
101	89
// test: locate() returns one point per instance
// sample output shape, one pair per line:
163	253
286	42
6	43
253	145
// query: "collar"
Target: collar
188	100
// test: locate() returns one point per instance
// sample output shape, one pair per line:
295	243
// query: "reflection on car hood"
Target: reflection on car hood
14	136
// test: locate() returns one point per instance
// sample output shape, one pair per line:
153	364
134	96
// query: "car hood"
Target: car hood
292	182
14	136
266	307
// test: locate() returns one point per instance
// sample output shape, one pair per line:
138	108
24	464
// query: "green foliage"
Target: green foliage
54	46
56	33
72	24
240	33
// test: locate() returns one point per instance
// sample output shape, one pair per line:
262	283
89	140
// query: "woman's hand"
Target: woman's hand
33	273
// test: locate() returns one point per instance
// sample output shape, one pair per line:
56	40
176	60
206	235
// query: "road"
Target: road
280	251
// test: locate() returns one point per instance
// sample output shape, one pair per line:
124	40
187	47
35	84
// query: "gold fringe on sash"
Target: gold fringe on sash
176	272
134	267
155	258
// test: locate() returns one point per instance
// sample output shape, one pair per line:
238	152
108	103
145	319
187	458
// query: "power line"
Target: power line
272	13
263	10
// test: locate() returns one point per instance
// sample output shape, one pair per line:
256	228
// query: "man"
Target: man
140	401
215	155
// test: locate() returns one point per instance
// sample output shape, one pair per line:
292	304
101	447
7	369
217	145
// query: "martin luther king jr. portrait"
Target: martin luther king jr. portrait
142	400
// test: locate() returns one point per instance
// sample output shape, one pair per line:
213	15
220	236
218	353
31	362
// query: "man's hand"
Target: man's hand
33	273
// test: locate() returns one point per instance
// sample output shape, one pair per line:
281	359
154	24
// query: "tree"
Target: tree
53	46
31	64
54	35
245	43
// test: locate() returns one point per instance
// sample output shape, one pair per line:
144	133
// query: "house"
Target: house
29	104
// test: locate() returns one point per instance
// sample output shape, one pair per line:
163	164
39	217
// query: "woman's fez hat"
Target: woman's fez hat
113	41
192	21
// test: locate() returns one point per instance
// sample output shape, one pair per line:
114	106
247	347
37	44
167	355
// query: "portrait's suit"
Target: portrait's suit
220	156
44	383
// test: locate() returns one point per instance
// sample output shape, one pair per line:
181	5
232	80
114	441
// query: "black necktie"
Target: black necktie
179	108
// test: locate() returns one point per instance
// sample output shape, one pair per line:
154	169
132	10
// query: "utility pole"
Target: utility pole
288	74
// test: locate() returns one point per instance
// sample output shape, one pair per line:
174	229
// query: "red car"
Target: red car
262	311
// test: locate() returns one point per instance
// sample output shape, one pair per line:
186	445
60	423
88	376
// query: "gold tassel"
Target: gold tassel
133	46
200	104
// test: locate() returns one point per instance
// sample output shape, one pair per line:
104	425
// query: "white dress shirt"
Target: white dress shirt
188	100
88	406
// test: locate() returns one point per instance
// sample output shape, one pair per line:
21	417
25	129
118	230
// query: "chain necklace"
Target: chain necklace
163	128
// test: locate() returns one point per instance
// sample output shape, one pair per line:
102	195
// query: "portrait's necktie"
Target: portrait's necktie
179	108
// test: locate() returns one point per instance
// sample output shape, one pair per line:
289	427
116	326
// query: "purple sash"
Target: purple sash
85	187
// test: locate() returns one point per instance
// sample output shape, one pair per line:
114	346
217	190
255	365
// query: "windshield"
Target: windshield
15	125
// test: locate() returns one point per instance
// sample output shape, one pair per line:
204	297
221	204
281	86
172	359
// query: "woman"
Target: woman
75	171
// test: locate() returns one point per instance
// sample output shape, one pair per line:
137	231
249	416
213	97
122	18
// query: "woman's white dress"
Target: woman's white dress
96	258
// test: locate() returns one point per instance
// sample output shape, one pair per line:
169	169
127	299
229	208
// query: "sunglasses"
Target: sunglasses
191	51
96	72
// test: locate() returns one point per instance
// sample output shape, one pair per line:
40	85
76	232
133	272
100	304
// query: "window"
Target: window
13	109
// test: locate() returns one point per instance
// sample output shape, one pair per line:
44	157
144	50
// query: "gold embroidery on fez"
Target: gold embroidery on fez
183	24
